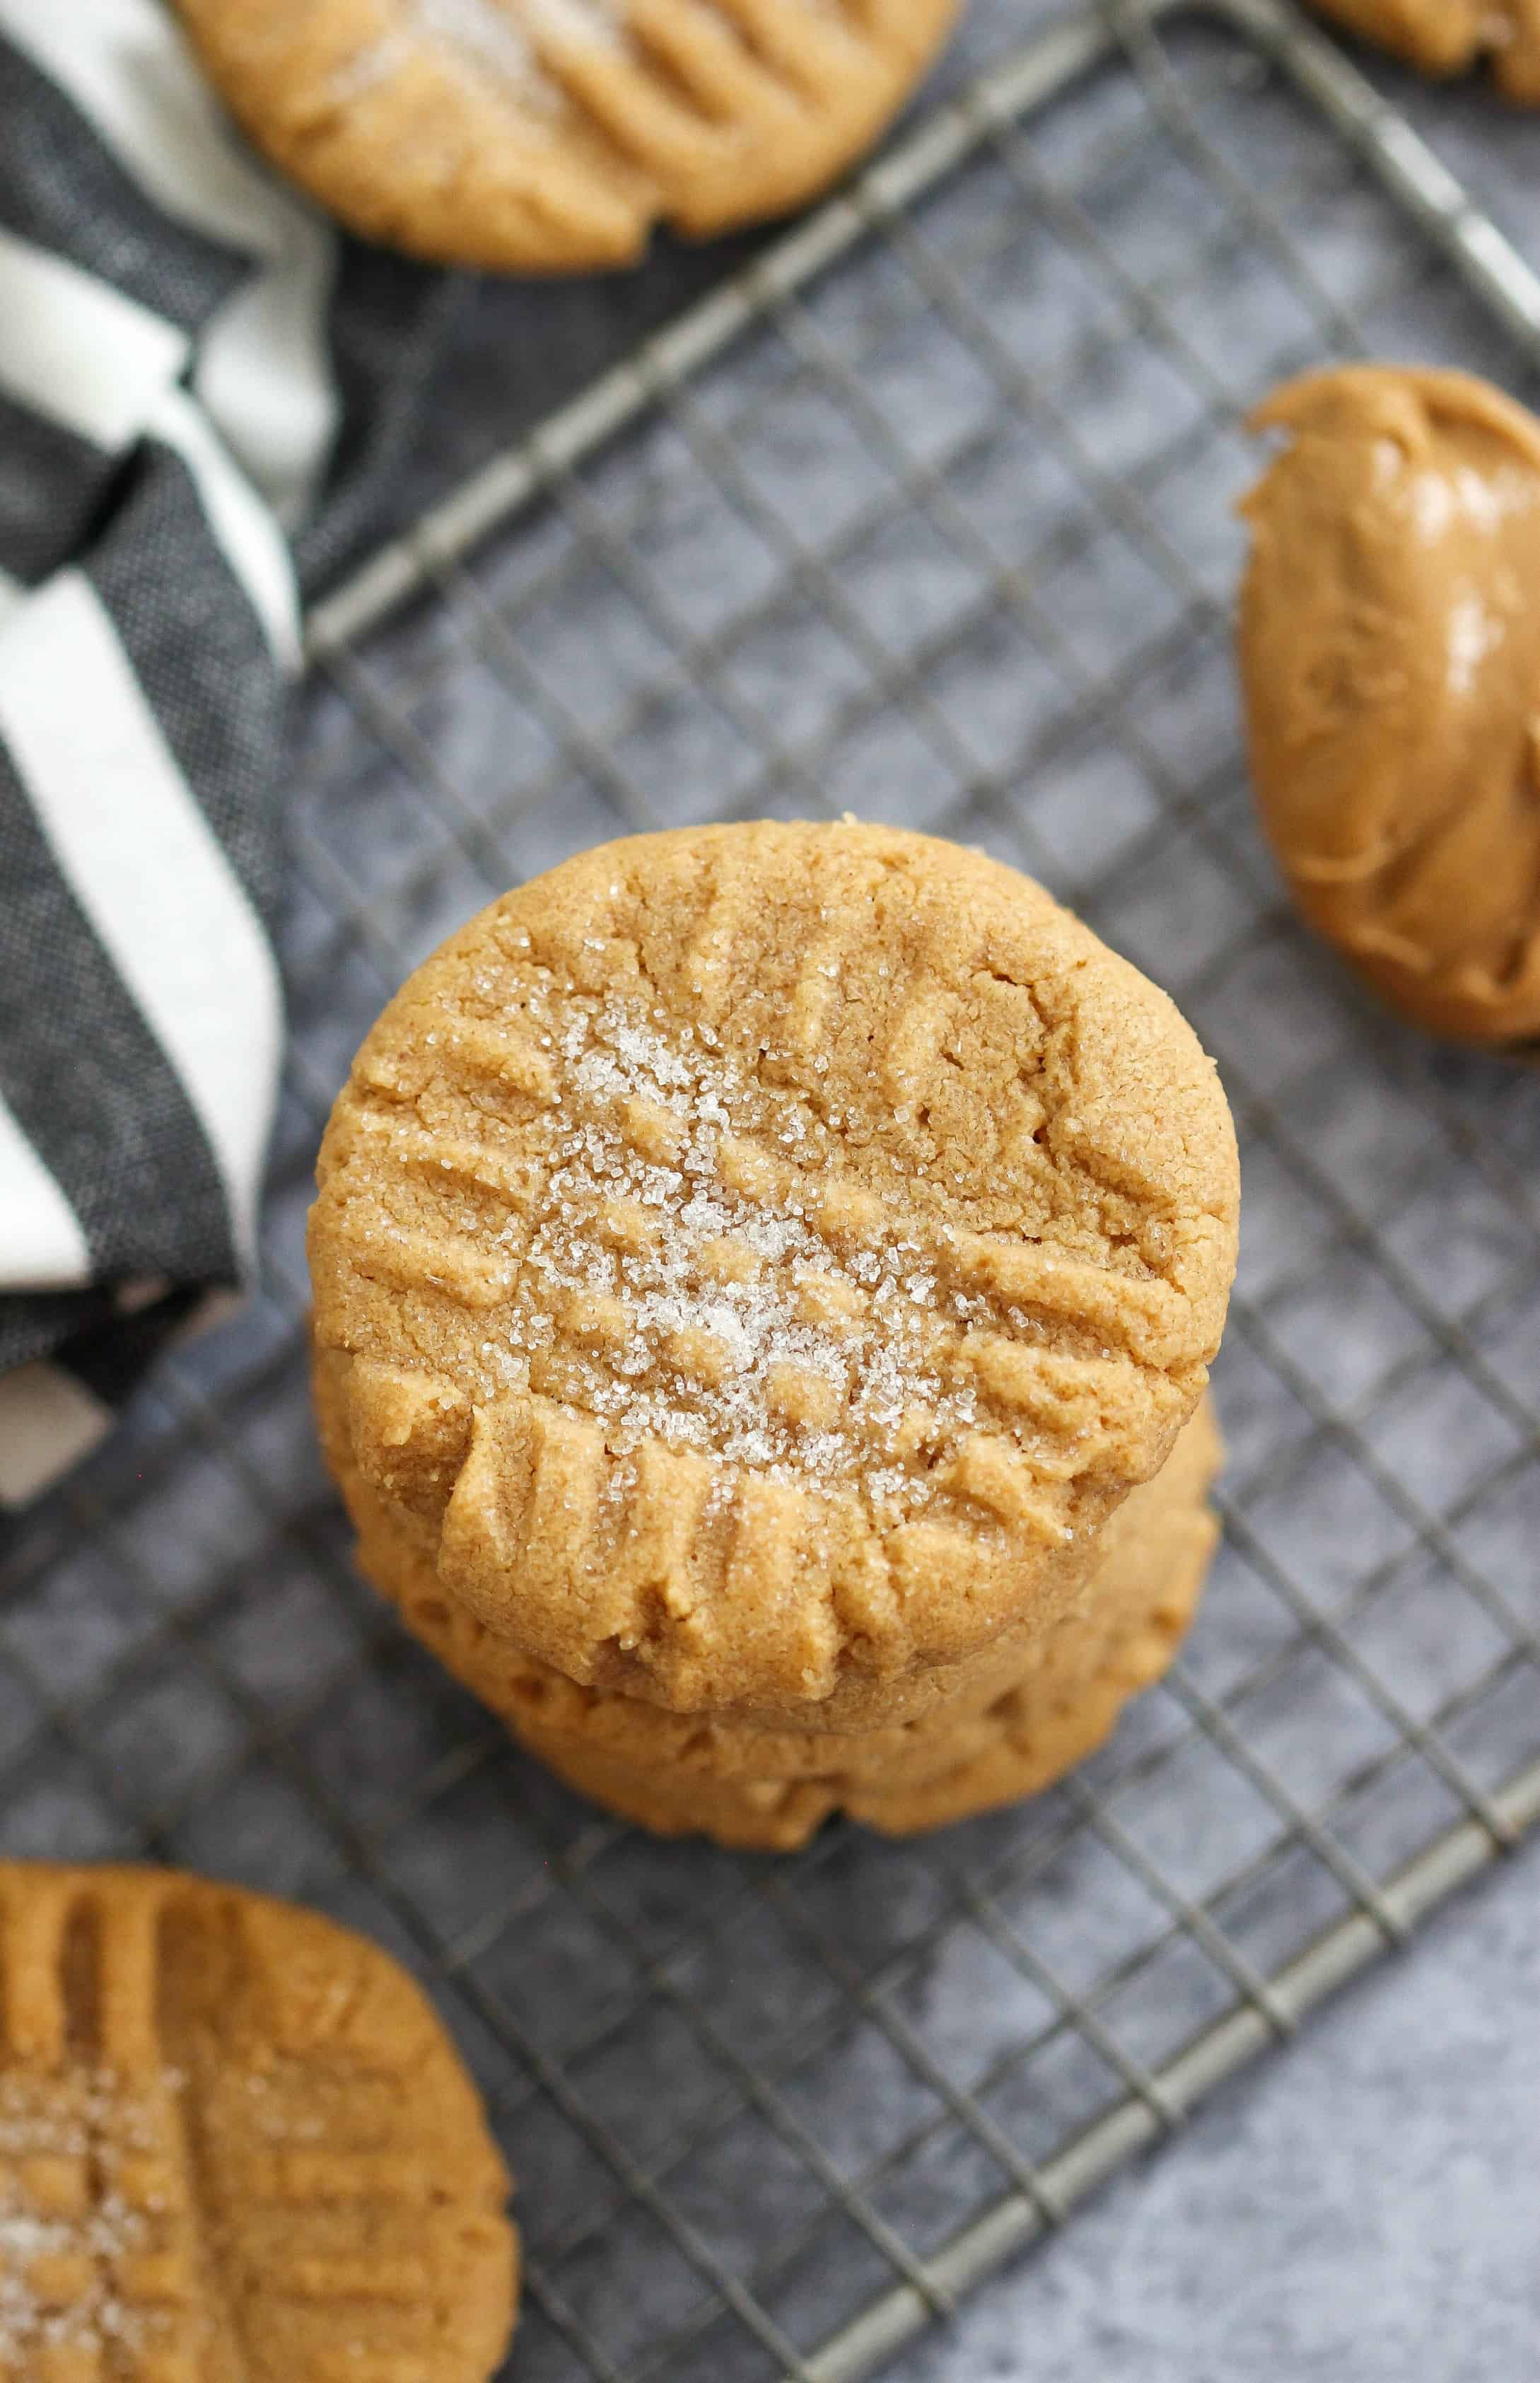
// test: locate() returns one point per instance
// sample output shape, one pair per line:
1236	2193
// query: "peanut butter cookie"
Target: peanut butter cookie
1450	37
1020	1718
1019	1750
1148	1538
234	2142
942	1770
550	135
1389	644
760	1259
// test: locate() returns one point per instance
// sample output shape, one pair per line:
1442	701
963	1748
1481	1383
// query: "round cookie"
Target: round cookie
397	1552
1448	37
1161	1529
1028	1737
1157	1550
535	136
762	1257
1389	647
234	2140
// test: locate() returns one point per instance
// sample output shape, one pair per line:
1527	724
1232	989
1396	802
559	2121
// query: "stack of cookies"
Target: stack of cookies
765	1278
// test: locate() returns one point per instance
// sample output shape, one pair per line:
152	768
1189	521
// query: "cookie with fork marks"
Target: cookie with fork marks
236	2146
535	136
907	1781
757	1260
1015	1718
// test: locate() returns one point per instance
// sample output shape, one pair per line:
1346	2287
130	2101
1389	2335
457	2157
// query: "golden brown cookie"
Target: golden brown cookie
1448	37
550	135
780	1815
1155	1551
1389	644
1028	1737
1162	1530
236	2146
761	1258
1020	1718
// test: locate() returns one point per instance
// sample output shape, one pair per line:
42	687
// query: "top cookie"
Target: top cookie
759	1251
1448	37
234	2142
548	135
1389	641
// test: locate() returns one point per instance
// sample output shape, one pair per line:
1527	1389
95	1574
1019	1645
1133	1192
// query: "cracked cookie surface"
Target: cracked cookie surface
551	135
755	1254
235	2142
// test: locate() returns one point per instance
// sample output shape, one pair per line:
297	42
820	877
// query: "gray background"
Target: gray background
1364	2205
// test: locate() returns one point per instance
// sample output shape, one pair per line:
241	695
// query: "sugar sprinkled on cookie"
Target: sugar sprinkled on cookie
550	135
684	1286
752	1251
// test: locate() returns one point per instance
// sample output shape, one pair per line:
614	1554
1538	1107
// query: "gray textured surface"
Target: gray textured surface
1365	2206
193	1671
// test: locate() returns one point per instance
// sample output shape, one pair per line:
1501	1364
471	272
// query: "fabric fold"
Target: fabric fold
195	372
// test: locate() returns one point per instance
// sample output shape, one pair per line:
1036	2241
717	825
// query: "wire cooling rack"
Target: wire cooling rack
926	515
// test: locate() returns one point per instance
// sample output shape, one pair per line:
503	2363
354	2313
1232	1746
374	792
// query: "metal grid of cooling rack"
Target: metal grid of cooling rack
927	516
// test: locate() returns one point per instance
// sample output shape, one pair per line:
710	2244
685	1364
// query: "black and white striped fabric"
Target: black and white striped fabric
195	374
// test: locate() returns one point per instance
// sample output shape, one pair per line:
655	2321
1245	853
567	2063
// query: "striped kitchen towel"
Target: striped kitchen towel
202	389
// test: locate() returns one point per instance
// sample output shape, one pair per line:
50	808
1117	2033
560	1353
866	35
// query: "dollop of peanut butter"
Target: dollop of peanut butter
1446	37
1390	646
